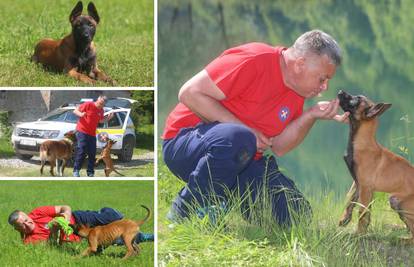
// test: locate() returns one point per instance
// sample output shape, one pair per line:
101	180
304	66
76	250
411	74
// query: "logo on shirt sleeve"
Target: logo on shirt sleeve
284	114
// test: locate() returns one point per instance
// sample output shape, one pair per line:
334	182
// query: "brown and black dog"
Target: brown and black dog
75	54
373	167
105	235
53	151
106	158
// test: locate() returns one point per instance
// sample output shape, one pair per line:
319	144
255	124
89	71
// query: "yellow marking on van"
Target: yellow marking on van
110	131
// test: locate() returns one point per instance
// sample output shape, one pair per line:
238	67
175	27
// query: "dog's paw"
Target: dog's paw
344	221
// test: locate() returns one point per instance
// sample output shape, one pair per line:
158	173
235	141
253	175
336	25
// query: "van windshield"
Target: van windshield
62	115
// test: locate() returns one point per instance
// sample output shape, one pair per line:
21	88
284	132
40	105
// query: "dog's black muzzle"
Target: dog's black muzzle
348	102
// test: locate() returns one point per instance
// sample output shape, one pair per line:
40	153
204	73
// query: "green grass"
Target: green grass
234	242
124	41
145	136
80	195
6	148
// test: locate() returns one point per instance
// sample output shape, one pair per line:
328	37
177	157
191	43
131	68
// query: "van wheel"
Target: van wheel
24	156
127	151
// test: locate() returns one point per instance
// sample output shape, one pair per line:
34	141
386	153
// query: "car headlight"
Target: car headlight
16	131
50	134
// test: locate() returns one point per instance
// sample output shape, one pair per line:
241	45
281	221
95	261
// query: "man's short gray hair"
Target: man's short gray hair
318	43
104	97
14	216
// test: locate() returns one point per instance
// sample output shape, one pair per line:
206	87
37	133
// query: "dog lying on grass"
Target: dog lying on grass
373	167
106	158
105	235
53	151
75	54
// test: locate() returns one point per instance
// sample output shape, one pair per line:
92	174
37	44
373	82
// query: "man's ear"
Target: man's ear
299	65
377	110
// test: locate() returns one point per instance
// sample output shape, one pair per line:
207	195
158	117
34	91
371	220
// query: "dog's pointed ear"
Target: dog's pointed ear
93	12
377	110
76	12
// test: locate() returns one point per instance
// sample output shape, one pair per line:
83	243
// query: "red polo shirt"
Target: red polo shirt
251	79
88	123
41	216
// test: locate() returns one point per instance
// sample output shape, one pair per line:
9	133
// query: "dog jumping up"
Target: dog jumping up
53	151
105	235
75	54
373	167
106	158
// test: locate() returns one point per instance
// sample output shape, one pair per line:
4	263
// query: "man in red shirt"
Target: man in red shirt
33	227
90	113
246	101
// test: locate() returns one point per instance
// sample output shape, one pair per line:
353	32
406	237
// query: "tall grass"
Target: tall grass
235	242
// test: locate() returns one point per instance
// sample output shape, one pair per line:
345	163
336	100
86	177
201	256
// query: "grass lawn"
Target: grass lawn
126	196
124	40
234	242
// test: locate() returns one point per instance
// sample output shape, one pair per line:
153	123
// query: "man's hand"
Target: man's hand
328	110
262	141
110	116
78	113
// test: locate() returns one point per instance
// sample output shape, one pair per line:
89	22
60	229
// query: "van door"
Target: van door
114	128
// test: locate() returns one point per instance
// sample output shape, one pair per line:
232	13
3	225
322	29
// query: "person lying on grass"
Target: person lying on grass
248	100
34	227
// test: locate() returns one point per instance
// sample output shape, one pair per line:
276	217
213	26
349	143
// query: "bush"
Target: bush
6	128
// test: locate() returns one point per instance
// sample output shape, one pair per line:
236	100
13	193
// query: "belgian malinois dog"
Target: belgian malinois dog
53	151
105	235
373	167
106	158
75	54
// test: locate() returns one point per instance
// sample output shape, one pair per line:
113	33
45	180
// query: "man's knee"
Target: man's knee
231	139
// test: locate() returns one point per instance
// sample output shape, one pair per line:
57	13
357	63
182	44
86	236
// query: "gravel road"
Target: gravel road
14	162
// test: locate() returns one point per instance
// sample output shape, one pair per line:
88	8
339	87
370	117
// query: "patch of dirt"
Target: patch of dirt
137	160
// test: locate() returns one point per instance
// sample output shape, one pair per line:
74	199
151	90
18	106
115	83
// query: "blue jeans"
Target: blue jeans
86	145
217	158
106	216
96	218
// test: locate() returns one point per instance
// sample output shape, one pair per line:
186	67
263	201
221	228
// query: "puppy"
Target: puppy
53	151
105	235
373	167
106	157
75	54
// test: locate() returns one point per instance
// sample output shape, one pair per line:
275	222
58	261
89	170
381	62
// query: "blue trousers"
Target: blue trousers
106	216
217	158
86	145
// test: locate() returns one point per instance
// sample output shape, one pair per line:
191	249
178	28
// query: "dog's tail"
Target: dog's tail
118	172
141	222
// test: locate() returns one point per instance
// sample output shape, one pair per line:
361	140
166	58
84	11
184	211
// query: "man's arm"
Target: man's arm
201	95
79	113
296	131
107	117
64	211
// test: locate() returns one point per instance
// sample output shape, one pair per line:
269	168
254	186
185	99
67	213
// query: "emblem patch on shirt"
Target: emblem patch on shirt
284	114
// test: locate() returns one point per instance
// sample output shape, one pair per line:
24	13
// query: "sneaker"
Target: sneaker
76	173
214	212
90	174
143	237
173	216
